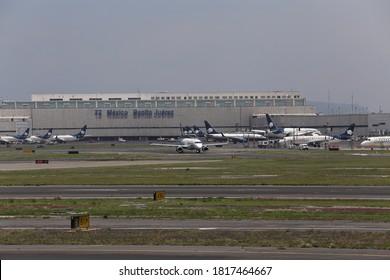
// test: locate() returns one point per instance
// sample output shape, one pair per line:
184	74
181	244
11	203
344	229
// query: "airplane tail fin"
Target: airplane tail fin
198	132
348	133
209	128
24	135
181	131
82	132
186	131
271	125
48	134
350	129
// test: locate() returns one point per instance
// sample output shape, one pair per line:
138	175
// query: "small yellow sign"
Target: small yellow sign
159	195
84	221
80	221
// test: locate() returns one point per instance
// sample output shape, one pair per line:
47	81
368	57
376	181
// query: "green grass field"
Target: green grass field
258	167
279	239
249	167
204	208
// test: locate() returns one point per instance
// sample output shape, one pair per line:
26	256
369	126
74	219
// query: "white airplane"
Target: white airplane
278	132
69	138
318	139
43	138
120	139
376	142
189	143
7	139
234	136
305	139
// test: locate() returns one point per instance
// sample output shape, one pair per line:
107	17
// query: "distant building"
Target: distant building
143	115
170	100
160	114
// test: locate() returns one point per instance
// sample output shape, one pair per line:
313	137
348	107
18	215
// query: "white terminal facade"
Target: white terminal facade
143	115
171	100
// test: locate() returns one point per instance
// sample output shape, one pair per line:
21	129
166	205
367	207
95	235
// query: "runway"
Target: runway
111	252
107	252
187	191
97	223
196	191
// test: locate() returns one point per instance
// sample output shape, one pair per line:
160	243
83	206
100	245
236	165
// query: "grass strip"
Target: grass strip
281	239
203	208
318	169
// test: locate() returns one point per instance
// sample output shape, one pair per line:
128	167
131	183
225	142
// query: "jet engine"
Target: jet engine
205	148
179	149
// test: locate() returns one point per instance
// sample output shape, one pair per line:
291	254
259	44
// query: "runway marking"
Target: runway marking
194	249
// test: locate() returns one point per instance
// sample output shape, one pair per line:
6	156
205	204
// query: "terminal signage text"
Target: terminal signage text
117	114
112	114
137	114
157	114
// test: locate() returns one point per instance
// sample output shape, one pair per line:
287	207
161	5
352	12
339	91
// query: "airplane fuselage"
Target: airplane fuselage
10	139
190	144
289	131
66	138
36	139
314	139
242	137
376	142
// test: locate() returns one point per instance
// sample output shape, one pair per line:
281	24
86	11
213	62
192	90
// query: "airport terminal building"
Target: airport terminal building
160	114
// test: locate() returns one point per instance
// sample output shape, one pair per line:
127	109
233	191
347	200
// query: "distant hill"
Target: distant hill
337	108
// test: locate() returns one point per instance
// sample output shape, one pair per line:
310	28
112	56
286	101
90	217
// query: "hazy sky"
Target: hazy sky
325	49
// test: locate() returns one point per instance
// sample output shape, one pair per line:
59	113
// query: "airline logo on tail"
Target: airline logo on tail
210	129
212	132
48	134
187	131
272	127
25	134
350	130
347	134
271	124
81	134
194	131
198	132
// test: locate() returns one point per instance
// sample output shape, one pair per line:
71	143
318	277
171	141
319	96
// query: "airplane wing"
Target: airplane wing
239	138
58	139
303	133
234	138
310	140
258	131
317	141
216	143
314	142
168	145
42	140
